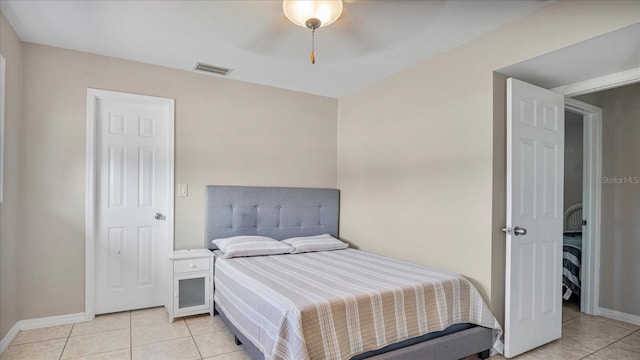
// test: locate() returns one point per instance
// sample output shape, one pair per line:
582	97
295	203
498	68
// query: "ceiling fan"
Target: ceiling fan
313	15
271	37
362	27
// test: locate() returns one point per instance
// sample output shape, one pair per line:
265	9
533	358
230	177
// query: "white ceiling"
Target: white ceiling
609	53
372	40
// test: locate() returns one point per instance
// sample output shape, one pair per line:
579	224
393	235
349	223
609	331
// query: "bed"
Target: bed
571	251
340	304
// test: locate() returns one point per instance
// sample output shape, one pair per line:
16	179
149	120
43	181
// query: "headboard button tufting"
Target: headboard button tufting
270	211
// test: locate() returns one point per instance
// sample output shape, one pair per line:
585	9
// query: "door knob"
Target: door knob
516	230
519	231
159	216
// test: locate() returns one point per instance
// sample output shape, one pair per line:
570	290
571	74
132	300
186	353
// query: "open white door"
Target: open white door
535	160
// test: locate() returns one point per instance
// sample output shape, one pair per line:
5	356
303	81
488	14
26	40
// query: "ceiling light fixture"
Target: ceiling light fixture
312	14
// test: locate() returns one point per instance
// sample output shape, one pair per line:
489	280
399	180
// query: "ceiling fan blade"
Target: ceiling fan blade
268	39
370	27
352	26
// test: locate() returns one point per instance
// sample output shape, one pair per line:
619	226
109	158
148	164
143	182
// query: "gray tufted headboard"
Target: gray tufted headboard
275	212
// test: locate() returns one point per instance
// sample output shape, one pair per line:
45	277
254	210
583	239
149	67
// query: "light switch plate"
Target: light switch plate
183	190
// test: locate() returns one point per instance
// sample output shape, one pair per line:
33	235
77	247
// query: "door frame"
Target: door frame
592	173
591	198
610	81
93	96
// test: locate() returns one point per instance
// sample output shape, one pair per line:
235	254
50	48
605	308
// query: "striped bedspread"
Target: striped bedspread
571	259
337	304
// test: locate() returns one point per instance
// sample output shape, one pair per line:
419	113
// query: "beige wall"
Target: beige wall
227	132
573	159
11	50
620	211
416	151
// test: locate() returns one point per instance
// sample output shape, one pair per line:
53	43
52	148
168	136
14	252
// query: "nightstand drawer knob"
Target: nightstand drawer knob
191	265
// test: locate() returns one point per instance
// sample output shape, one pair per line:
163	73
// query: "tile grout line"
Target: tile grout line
569	346
617	341
610	344
618	326
192	339
595	351
592	352
130	337
66	341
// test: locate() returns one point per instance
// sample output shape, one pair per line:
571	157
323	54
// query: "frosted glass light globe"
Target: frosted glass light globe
299	11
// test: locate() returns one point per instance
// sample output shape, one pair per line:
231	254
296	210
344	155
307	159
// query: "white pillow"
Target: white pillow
251	246
322	242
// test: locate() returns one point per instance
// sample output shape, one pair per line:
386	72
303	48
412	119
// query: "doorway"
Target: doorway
618	183
582	219
572	212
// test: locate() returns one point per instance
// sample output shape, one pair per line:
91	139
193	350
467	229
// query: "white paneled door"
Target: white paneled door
535	160
133	147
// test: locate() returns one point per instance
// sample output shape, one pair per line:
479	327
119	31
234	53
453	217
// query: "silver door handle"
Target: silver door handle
516	230
159	216
519	231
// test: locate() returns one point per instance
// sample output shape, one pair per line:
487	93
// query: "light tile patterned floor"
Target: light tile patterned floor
587	337
147	334
131	335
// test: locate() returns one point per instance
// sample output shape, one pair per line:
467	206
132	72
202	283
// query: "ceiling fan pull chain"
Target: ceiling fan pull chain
313	36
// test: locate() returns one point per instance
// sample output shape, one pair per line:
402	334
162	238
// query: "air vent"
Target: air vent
212	69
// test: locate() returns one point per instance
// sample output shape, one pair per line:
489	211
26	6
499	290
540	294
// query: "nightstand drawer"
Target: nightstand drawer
190	265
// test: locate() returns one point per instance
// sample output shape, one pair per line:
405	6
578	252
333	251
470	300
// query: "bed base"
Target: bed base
476	340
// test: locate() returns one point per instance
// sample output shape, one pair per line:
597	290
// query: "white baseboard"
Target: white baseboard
617	315
53	321
41	323
7	339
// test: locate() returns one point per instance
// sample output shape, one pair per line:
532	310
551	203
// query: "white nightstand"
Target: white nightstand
192	283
